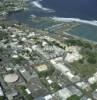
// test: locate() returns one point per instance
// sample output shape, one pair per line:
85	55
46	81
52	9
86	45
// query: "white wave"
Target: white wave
38	5
93	22
32	15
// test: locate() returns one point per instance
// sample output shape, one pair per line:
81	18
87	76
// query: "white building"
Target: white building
64	70
1	92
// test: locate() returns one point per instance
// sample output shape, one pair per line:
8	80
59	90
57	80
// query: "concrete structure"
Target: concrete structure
83	85
85	98
73	53
41	68
28	91
10	78
11	95
95	94
1	92
48	97
64	93
65	70
93	79
25	74
75	90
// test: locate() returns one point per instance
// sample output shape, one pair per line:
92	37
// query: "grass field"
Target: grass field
88	65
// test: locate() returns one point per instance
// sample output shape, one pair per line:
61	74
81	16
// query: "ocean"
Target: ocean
83	11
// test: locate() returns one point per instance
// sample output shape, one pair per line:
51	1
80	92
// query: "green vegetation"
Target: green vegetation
53	87
58	44
91	60
19	60
74	97
91	56
78	42
85	69
81	61
1	97
49	72
86	66
43	74
94	86
24	93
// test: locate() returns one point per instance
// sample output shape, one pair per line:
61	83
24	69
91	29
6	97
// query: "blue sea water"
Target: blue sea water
85	31
83	9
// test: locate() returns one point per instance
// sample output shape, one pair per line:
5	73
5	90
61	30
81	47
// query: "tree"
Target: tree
74	97
1	98
91	60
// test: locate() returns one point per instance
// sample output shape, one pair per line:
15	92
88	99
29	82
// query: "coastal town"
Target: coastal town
37	64
8	6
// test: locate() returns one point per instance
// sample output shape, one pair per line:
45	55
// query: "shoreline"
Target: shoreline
37	4
80	38
92	22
